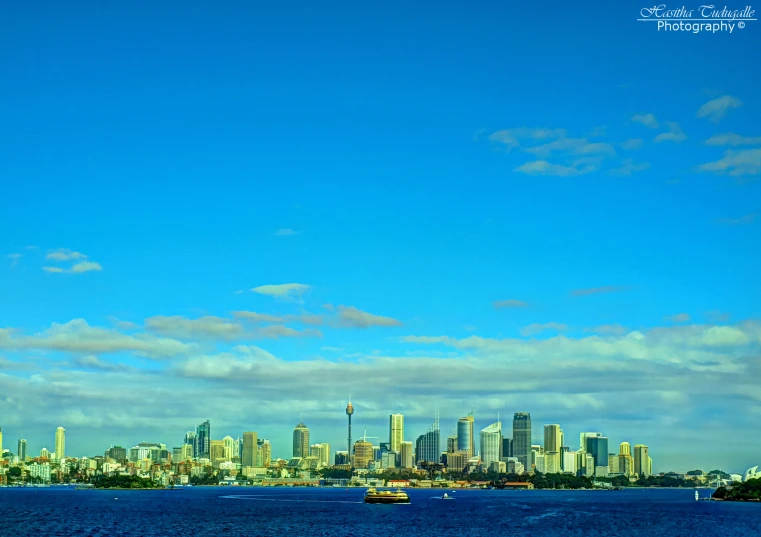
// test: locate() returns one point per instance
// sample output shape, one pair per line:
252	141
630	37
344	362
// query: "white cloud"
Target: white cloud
284	292
746	219
599	290
277	331
632	144
64	254
351	317
76	336
675	134
542	167
510	303
678	318
254	317
537	328
648	120
628	167
85	266
286	232
716	109
736	163
574	146
203	327
54	270
730	138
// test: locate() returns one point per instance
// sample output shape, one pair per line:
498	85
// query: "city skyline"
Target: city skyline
383	202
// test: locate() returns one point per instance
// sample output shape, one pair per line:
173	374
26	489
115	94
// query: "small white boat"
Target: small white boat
697	496
446	497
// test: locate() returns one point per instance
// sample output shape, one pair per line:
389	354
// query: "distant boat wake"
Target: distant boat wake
276	499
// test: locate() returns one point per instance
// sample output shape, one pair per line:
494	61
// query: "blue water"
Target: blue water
294	512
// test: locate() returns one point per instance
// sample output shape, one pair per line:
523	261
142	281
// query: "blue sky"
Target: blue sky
410	167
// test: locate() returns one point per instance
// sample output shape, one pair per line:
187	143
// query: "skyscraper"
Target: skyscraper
301	441
407	455
522	438
202	444
641	456
21	449
597	446
230	450
250	448
465	435
553	438
265	453
396	431
363	454
60	443
583	439
491	443
427	445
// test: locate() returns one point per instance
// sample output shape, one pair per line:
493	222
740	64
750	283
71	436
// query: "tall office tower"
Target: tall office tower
406	455
202	444
44	453
613	467
21	449
349	413
363	454
625	461
325	453
117	453
60	443
301	441
451	444
649	466
187	452
465	435
641	457
583	439
507	448
265	453
569	462
250	449
217	450
491	443
230	448
625	448
522	438
427	446
396	431
553	442
190	438
597	446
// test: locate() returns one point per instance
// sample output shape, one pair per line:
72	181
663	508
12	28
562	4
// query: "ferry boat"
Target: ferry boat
386	496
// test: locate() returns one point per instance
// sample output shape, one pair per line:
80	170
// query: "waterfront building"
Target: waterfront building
263	453
641	457
202	441
522	438
21	452
597	446
60	443
388	459
363	454
589	465
451	444
649	466
40	472
491	443
116	453
407	455
250	449
301	440
613	467
569	462
466	435
396	431
427	445
553	442
342	458
625	459
457	461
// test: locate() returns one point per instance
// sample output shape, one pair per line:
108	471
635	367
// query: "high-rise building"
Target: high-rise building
491	443
217	450
507	448
613	463
553	442
325	453
407	455
301	440
202	441
60	443
465	435
264	455
569	462
230	451
190	438
641	457
597	446
649	466
522	438
363	453
625	463
21	449
457	461
427	445
451	444
187	452
396	431
250	450
342	458
44	453
116	453
583	439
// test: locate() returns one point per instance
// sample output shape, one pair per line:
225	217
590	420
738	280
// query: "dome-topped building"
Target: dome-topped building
752	473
